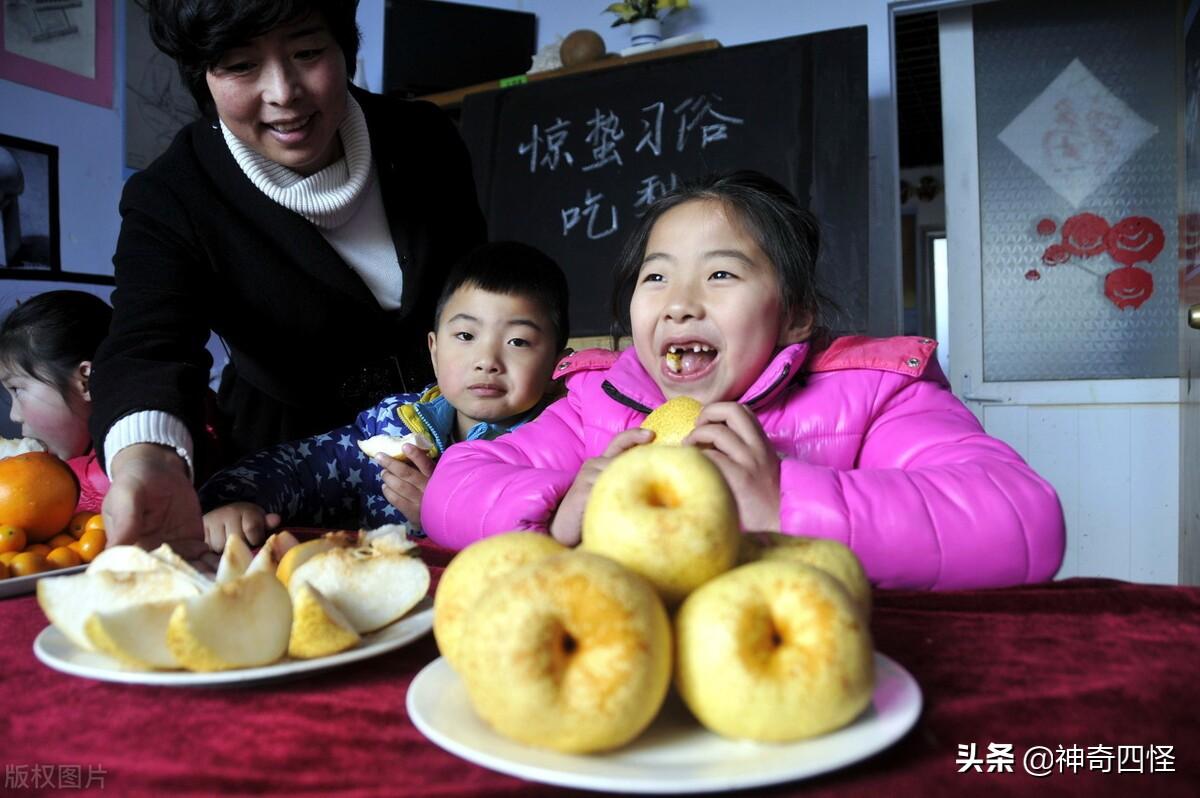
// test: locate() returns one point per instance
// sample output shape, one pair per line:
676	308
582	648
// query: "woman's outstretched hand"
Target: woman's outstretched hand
152	501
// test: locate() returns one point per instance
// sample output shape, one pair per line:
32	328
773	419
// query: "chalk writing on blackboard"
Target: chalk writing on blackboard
548	147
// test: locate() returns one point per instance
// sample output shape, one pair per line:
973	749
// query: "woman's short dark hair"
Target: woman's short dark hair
788	234
515	269
196	33
48	335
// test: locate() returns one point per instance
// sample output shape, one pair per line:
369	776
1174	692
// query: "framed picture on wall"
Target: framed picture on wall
28	206
60	46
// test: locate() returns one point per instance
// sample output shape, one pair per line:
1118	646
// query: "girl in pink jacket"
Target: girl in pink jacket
854	439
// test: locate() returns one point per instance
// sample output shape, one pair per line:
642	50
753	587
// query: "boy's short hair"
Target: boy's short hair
515	269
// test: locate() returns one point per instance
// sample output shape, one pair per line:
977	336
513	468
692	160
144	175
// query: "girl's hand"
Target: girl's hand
730	436
152	501
239	519
567	524
404	483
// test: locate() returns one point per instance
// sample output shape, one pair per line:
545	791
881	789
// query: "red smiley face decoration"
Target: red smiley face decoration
1128	287
1084	234
1055	255
1134	239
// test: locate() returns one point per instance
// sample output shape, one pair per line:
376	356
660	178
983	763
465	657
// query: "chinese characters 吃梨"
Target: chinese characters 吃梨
695	121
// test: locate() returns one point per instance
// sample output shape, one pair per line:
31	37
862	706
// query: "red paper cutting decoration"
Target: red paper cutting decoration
1055	255
1032	275
1046	227
1134	239
1083	234
1128	287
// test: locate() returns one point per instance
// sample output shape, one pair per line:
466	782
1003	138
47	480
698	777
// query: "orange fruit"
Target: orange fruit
95	522
75	525
63	557
61	539
12	538
3	570
7	556
38	493
27	562
38	548
91	544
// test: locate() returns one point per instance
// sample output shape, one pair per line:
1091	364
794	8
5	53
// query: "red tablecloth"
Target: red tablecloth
1077	663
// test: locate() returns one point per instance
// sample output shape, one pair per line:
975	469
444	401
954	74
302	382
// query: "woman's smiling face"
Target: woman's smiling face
283	94
706	311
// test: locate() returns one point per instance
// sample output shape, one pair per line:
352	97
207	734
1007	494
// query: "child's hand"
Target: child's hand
567	524
241	519
740	449
404	482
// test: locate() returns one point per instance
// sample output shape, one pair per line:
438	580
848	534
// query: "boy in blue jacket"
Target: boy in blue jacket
500	326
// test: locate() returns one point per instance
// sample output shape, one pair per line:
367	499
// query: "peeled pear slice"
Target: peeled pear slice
302	553
234	560
69	601
272	552
393	445
389	537
372	587
318	627
134	635
125	558
238	624
165	554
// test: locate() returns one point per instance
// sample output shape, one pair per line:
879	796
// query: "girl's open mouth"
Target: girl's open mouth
688	361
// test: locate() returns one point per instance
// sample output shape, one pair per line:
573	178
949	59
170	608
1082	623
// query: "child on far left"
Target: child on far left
47	344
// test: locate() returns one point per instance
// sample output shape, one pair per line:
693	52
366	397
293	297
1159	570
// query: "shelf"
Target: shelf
453	99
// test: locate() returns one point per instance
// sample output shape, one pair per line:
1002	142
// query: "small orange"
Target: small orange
26	563
7	556
12	538
63	557
61	539
76	527
91	544
38	548
3	570
95	522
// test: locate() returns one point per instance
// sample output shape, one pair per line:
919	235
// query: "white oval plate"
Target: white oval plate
16	585
59	653
676	754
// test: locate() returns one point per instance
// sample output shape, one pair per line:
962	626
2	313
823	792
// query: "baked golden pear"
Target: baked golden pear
242	623
667	513
318	627
832	557
673	420
470	575
773	651
570	653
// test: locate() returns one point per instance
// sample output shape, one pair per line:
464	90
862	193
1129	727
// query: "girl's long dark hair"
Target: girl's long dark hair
49	335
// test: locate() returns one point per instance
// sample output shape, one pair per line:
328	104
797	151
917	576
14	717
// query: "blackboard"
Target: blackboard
566	164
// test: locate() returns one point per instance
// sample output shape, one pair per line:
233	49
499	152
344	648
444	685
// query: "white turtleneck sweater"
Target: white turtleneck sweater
344	203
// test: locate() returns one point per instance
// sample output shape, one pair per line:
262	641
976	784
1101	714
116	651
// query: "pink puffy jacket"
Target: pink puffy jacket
93	482
876	452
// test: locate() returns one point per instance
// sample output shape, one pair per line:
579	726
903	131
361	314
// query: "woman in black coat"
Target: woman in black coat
307	223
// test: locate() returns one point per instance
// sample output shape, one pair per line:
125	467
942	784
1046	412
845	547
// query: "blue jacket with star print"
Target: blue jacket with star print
327	480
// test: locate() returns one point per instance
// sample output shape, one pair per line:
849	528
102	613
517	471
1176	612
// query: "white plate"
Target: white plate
16	585
676	754
56	651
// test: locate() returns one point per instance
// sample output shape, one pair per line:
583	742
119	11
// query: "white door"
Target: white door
1064	307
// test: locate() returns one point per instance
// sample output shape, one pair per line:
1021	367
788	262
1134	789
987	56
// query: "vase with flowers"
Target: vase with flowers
644	18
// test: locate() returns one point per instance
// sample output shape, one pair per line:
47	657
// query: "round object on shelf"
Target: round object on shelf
580	47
